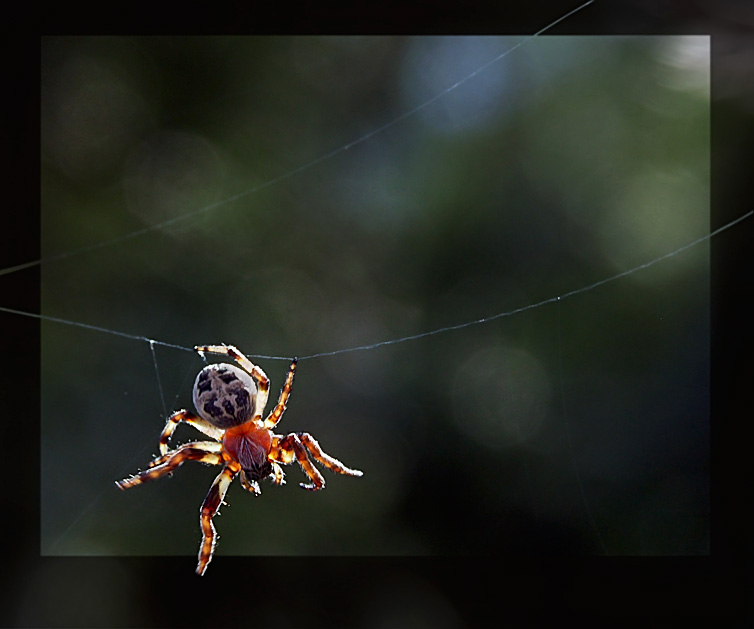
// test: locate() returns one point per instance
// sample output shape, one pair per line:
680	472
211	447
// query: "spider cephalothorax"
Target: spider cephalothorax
230	407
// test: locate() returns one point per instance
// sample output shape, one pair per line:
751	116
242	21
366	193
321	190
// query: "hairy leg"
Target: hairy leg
209	509
276	413
187	417
207	452
289	449
329	462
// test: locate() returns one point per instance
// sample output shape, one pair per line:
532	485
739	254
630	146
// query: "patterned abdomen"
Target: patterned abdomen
224	395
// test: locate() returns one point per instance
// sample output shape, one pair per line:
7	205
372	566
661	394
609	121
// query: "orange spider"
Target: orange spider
230	407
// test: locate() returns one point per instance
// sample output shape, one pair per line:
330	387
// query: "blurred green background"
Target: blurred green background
580	427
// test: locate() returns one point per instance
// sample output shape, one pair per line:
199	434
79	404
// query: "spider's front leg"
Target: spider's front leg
203	451
209	509
329	462
295	446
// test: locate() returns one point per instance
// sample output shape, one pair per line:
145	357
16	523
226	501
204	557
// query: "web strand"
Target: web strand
159	381
412	337
291	173
538	304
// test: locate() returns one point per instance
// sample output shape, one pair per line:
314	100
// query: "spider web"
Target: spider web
546	176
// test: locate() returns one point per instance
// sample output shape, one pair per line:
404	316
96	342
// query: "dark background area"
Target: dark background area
547	437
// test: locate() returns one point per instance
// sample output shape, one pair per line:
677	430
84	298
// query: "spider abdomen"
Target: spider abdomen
224	395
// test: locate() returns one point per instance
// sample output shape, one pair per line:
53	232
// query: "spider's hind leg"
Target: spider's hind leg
202	425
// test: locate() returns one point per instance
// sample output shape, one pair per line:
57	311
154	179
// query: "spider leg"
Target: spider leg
263	382
209	509
289	448
207	452
329	462
295	446
276	413
188	417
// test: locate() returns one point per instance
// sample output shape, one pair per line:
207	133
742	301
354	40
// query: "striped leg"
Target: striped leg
289	448
203	451
326	460
295	446
263	382
188	417
275	415
209	509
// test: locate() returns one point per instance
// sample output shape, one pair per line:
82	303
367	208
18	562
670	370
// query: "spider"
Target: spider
230	407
